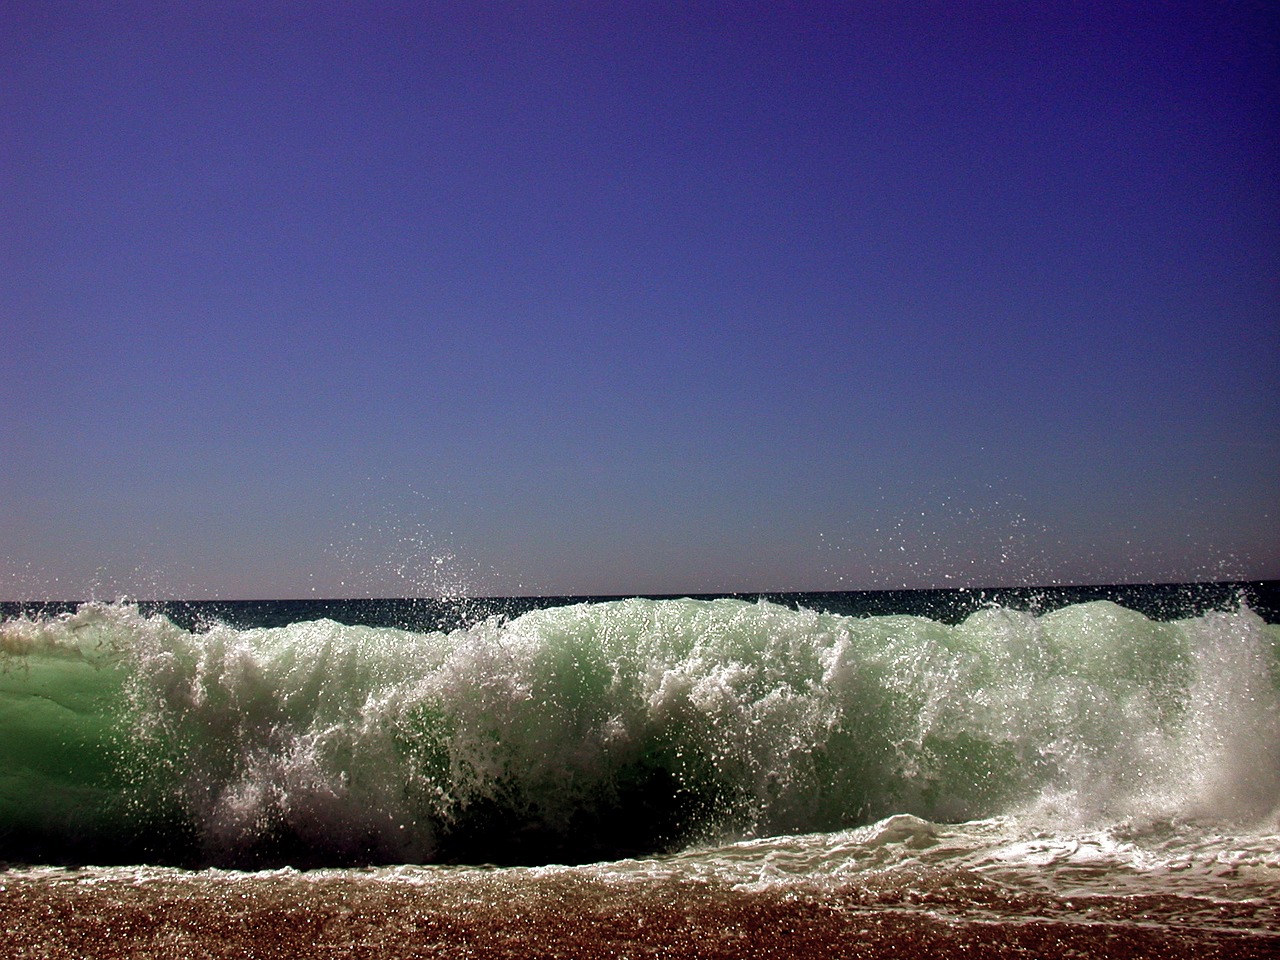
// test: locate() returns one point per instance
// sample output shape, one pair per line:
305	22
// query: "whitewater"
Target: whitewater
1081	771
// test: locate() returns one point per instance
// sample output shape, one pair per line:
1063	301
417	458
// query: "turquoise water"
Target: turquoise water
597	730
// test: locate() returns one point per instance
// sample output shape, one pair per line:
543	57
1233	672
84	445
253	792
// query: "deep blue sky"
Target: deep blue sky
390	298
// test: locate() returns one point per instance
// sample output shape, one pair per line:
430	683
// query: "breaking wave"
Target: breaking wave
601	730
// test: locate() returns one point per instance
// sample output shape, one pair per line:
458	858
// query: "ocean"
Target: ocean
1056	772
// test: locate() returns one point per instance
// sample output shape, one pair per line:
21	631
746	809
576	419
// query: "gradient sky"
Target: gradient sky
363	298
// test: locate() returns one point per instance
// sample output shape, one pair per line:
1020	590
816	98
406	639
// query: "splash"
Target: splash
599	730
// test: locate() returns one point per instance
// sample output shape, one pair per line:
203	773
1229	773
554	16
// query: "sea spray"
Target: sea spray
595	730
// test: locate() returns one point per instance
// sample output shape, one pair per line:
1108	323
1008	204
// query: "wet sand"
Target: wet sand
198	916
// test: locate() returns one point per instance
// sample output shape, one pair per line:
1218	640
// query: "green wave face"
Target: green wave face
602	729
62	704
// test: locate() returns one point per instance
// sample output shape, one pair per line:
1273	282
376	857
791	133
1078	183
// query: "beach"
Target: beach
194	916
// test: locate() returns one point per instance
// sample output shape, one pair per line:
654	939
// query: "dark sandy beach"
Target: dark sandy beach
289	915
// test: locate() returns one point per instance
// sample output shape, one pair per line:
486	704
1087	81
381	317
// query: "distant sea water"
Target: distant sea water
1089	771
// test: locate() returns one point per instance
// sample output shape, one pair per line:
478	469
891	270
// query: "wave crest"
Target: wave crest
604	729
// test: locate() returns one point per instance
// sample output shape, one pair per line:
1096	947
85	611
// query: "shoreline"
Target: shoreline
296	915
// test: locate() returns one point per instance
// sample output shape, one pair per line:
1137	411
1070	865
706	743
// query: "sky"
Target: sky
388	299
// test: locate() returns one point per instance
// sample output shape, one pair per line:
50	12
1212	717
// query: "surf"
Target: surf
602	730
